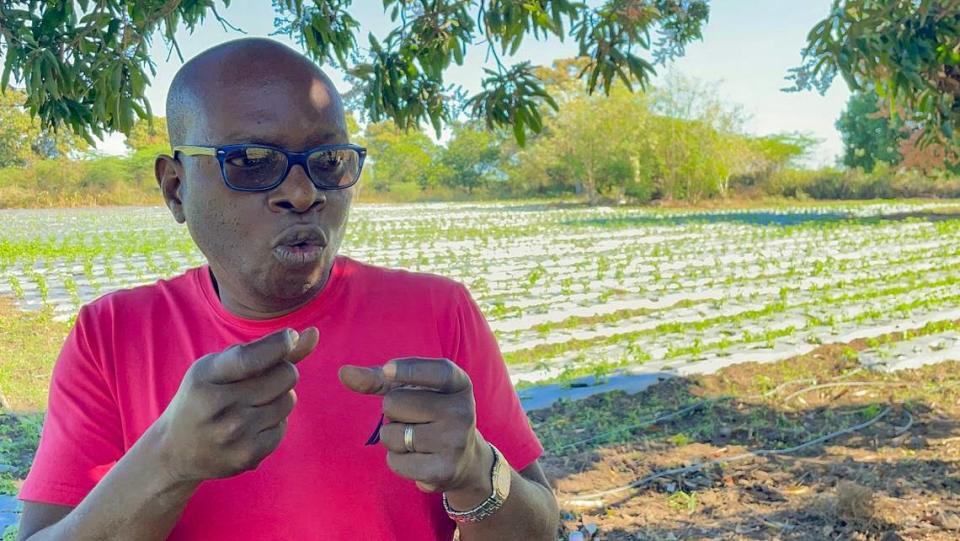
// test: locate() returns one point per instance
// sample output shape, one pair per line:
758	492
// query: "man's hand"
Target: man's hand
231	408
436	397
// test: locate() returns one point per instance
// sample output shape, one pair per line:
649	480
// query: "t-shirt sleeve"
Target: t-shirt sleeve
500	417
81	437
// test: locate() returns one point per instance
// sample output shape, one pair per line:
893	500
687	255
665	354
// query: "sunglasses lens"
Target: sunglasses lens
334	168
253	167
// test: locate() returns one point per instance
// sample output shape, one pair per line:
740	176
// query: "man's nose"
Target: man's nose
297	192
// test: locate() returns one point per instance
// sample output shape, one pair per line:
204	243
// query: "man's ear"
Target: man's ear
169	173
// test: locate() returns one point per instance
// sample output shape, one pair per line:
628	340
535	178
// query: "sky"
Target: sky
747	49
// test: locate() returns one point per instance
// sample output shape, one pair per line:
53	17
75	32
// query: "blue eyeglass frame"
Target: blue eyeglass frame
293	158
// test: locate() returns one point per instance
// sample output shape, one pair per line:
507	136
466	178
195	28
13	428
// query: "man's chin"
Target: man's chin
293	282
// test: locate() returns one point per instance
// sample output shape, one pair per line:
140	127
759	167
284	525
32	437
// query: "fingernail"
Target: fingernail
292	337
390	370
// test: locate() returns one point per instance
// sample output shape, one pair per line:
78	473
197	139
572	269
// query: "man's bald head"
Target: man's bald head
246	64
255	91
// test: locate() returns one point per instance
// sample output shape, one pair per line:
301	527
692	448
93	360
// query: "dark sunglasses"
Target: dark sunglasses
259	168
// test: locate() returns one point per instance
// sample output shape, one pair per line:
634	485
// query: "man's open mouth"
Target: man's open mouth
299	245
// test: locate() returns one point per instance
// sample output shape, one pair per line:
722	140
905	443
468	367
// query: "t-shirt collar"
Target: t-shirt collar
307	313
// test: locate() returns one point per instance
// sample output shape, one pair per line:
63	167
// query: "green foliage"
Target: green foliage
590	146
868	137
149	134
84	64
23	141
65	182
683	501
882	183
774	152
908	51
398	158
511	98
678	141
471	159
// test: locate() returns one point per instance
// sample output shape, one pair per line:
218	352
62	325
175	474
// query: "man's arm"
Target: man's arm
135	500
530	511
227	416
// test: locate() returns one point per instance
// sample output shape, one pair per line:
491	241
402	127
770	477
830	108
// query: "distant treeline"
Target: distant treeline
675	143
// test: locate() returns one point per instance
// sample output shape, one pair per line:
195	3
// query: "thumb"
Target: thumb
366	380
305	345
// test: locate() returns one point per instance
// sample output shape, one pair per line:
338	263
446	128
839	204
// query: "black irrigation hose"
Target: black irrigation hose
685	410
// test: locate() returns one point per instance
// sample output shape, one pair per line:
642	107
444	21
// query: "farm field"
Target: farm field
863	298
573	292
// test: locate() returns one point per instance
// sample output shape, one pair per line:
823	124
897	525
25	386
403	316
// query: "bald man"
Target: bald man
281	391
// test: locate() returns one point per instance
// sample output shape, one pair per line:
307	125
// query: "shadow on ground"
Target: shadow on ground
758	218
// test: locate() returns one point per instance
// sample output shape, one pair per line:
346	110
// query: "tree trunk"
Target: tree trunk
590	186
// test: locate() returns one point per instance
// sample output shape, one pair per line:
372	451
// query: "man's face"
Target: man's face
254	240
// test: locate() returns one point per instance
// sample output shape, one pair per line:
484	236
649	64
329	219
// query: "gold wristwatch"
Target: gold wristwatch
500	475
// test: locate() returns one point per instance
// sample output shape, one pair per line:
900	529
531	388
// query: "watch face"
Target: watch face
501	480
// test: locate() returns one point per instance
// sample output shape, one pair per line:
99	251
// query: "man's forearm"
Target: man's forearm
137	499
530	512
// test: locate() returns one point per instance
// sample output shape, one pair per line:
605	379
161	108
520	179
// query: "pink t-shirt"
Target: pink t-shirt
125	358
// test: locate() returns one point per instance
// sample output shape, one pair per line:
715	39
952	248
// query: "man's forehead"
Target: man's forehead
254	88
278	112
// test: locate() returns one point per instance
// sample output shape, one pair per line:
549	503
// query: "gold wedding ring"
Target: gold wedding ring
408	438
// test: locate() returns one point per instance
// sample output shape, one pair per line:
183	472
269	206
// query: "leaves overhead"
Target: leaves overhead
908	51
22	141
85	64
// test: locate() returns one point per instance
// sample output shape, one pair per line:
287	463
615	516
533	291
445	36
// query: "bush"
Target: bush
62	182
882	183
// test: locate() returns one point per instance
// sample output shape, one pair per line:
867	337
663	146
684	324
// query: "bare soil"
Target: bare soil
897	478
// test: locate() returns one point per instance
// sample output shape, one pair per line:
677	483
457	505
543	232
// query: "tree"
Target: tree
400	158
698	141
470	159
678	141
21	138
591	146
149	134
775	152
85	64
868	135
908	50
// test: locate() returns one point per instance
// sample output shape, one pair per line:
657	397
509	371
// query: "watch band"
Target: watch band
500	479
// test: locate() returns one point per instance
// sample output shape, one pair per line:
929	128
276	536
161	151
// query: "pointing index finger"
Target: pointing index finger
440	375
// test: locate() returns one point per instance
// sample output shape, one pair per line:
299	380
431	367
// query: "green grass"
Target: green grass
683	501
7	486
19	437
30	345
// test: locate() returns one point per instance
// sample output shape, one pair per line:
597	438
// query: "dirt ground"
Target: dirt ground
895	477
